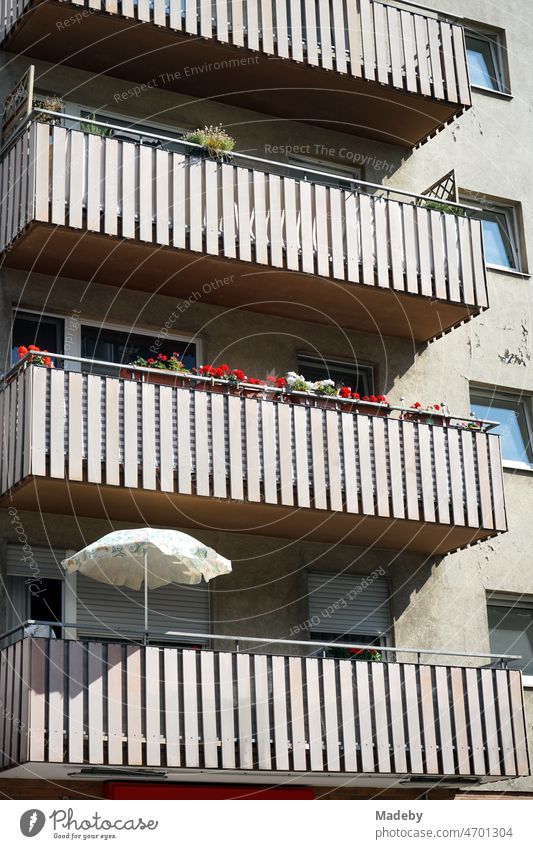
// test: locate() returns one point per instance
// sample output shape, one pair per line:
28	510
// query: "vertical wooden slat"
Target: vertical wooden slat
94	181
244	711
201	442
152	705
452	257
367	239
56	702
18	685
349	463
94	429
314	714
441	476
352	222
180	170
59	139
285	453
311	35
148	436
162	197
489	716
299	756
262	712
445	723
196	203
411	254
437	242
421	38
381	466
237	28
260	217
460	64
331	719
467	279
39	421
172	707
95	700
211	206
339	38
334	460
409	453
397	719
184	441
507	759
479	268
396	472
322	230
467	438
294	9
456	476
37	704
235	448
219	445
279	700
128	194
291	224
276	229
228	211
460	722
409	52
485	494
336	224
252	450
244	212
428	720
413	720
267	29
381	40
435	55
364	712
319	466
377	671
133	694
474	711
367	33
365	464
112	432
76	695
348	715
42	172
382	242
111	187
75	426
516	694
424	251
114	704
325	36
449	64
426	471
396	46
269	452
496	477
209	710
227	710
306	226
190	709
302	462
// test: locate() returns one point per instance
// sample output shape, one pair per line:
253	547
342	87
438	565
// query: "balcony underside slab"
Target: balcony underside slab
48	495
233	283
145	53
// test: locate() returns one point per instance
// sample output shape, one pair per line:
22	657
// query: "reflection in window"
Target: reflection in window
511	411
511	630
484	61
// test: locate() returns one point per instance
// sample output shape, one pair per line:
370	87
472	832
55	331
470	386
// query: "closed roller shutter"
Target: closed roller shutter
39	562
172	608
344	604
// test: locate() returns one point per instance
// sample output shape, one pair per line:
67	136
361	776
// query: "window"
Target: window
511	629
47	332
348	608
512	411
501	238
484	52
119	346
359	377
325	167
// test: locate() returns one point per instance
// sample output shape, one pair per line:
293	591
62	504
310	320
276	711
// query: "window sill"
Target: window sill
502	269
516	465
494	92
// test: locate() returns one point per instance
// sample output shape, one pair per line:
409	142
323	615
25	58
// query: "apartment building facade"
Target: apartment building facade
370	228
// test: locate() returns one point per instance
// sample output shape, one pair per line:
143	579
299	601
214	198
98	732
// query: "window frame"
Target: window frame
119	328
494	39
524	399
511	601
328	362
514	230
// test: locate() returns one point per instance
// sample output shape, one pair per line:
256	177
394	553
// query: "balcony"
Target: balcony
97	445
105	209
95	704
399	73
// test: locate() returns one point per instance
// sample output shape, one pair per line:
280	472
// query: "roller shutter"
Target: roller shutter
344	604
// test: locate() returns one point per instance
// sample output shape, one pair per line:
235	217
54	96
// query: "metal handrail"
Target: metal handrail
25	361
324	644
322	175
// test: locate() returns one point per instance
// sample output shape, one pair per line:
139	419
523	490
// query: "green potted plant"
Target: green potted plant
297	388
164	370
326	392
214	140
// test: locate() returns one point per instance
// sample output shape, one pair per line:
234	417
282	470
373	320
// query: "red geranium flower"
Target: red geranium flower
33	348
238	374
356	396
22	351
162	357
355	651
150	361
223	368
345	391
254	381
436	406
416	405
281	382
382	399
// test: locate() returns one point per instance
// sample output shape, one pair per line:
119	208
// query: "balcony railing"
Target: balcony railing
243	463
349	254
399	70
93	703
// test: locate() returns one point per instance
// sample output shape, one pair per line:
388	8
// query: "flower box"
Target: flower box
161	377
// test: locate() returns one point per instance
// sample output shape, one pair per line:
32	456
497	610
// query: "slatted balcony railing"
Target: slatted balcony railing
119	447
387	71
105	209
94	703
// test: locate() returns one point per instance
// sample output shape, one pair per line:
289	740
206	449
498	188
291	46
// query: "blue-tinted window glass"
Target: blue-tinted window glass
497	240
481	63
513	427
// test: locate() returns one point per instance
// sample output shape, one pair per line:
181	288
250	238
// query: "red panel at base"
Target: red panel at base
153	790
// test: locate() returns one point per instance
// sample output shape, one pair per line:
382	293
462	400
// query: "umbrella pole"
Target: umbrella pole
146	595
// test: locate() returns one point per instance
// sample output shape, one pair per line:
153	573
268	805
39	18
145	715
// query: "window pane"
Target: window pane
115	346
40	330
360	378
481	67
513	427
511	632
498	240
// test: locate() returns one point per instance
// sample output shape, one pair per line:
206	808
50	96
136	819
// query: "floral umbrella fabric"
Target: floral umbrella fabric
122	558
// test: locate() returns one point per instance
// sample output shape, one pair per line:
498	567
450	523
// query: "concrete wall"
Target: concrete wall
435	604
